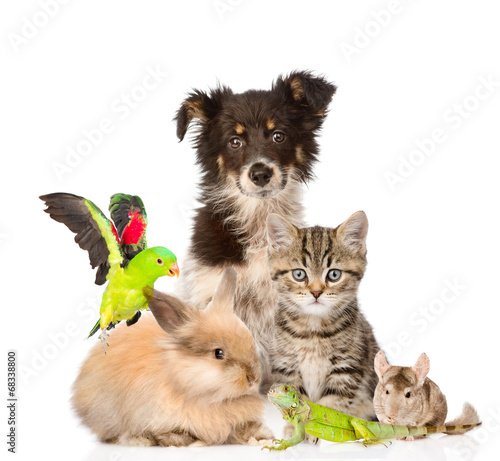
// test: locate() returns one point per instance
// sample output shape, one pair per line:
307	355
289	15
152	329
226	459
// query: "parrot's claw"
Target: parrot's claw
104	339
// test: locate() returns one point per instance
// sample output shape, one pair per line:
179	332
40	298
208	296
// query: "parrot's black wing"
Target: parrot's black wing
130	218
94	232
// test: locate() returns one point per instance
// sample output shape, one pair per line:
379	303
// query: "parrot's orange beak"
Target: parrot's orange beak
174	270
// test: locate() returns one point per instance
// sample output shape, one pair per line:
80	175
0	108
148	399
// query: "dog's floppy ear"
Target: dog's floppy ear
306	90
199	105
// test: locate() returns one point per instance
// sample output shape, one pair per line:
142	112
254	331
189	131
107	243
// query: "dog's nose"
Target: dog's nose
260	174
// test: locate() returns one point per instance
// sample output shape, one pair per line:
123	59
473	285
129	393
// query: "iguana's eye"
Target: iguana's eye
160	261
294	405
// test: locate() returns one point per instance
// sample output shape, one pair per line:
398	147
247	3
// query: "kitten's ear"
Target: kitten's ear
280	233
381	365
421	368
353	232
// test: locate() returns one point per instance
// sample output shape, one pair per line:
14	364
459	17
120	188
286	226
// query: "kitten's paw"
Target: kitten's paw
311	439
288	432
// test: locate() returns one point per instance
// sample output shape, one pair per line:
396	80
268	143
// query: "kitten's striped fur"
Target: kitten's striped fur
327	348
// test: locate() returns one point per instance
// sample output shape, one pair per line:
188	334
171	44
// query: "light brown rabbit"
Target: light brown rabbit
189	376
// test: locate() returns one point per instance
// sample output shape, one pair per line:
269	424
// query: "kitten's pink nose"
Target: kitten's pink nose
316	294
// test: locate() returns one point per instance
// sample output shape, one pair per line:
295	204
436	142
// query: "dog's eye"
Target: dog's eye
278	136
235	142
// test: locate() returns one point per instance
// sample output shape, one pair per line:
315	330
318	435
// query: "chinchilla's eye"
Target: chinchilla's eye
387	392
408	395
334	275
299	275
219	354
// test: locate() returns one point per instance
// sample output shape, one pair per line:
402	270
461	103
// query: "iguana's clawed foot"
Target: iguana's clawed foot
104	339
376	442
278	444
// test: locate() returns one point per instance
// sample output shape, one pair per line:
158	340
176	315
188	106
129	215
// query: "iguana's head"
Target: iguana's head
286	398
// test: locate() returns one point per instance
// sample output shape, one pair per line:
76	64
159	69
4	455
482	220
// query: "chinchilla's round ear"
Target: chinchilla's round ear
421	368
280	233
201	106
381	365
169	311
353	232
223	297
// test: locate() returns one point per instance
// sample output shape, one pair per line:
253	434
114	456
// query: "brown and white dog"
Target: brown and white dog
255	150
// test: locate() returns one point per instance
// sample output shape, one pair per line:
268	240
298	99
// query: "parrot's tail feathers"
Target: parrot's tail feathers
97	326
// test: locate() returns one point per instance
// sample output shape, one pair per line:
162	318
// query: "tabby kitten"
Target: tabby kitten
323	344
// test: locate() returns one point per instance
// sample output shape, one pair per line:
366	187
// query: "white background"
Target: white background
404	80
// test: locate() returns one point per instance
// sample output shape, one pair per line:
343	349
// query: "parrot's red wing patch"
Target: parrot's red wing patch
135	229
113	229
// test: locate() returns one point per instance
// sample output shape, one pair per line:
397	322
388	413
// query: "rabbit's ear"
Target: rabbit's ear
169	311
224	293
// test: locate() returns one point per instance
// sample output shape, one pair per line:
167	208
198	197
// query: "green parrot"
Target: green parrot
119	253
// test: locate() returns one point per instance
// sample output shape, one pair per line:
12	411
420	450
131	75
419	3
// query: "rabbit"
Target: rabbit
180	376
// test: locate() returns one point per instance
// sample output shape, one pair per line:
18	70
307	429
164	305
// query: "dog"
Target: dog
256	149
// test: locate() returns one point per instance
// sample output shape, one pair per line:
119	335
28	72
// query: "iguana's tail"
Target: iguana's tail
469	417
408	431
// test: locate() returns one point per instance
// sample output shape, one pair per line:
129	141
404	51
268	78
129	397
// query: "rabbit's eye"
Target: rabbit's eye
408	395
219	354
386	392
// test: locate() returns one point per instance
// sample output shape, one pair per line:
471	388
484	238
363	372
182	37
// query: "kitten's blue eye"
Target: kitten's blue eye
334	275
299	275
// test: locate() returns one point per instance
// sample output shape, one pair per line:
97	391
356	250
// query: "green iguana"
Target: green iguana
334	426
